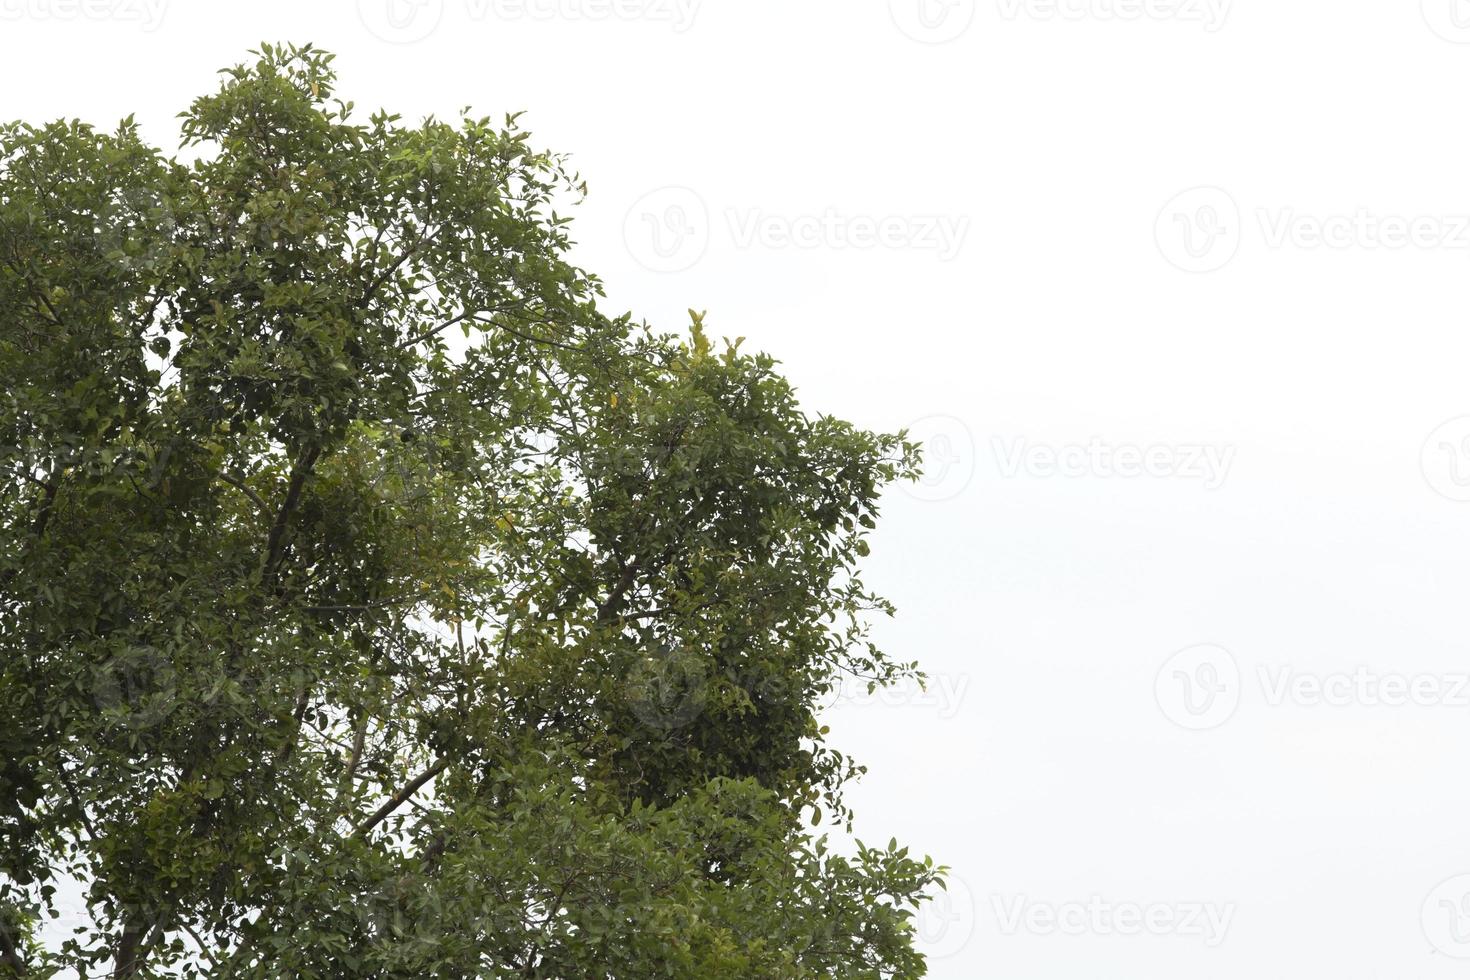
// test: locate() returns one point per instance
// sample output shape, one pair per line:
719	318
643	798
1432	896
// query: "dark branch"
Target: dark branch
399	798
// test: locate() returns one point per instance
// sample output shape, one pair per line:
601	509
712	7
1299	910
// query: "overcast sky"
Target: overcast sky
1174	290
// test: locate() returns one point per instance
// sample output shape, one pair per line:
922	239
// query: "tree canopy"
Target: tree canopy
374	605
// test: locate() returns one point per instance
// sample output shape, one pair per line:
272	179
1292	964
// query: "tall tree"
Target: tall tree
372	605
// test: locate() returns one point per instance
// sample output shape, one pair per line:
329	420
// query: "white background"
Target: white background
1094	298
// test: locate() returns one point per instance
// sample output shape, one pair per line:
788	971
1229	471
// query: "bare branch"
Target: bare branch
399	798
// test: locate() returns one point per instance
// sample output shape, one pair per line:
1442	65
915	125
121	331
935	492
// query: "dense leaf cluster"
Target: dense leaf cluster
372	605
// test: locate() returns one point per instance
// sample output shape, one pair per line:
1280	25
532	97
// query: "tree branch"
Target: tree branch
11	963
130	956
276	544
399	798
240	485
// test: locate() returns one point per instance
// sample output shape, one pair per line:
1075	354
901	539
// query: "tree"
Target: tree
372	605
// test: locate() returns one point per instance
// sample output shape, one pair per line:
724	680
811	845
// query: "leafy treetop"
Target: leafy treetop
372	605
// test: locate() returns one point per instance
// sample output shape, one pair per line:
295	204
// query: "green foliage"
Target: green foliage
371	605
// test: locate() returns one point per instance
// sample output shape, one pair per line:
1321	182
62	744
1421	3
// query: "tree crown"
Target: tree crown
373	605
